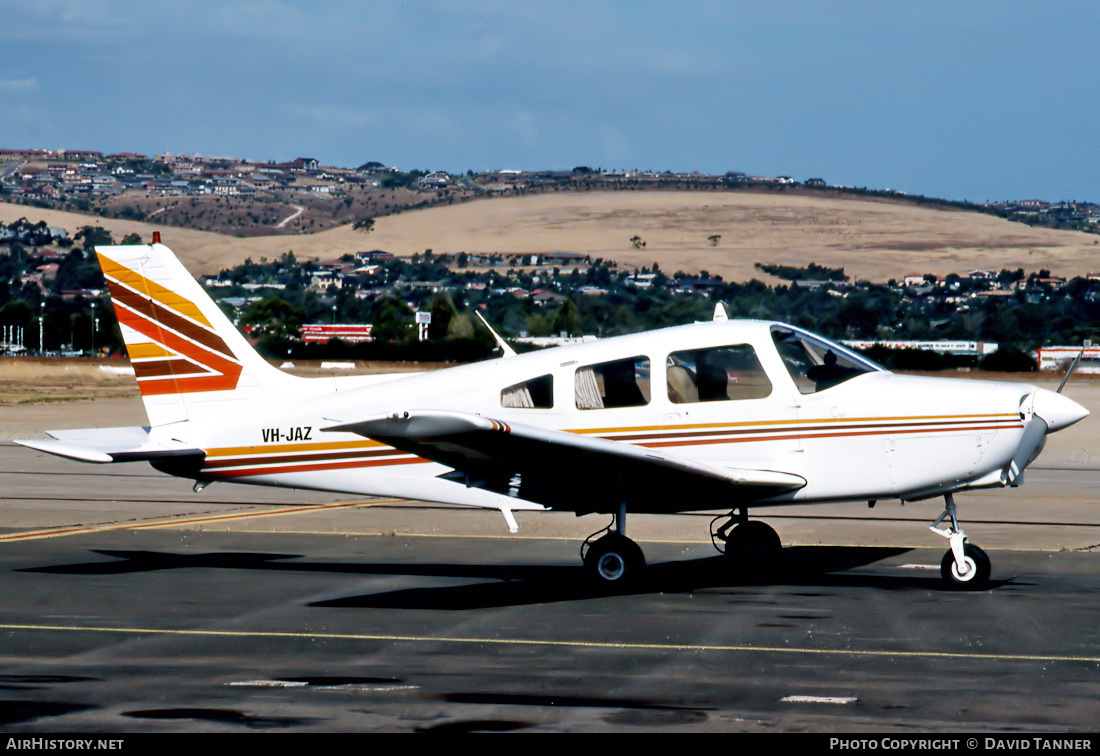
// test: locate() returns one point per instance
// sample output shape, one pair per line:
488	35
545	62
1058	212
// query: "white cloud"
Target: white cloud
19	85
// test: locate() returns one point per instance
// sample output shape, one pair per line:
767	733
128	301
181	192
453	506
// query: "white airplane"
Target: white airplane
723	415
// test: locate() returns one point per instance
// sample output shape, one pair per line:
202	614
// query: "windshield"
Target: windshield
816	363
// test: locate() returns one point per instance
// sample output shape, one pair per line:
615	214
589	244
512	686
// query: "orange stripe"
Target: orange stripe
811	435
807	421
315	468
875	427
155	291
228	451
291	458
226	372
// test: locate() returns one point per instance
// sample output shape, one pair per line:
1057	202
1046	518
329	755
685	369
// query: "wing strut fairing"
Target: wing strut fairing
565	470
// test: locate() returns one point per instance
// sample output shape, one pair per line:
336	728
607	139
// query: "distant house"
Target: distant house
435	180
698	285
545	297
376	255
322	279
562	258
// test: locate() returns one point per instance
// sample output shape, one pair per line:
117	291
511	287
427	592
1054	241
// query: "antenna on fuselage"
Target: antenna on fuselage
720	312
508	351
1076	360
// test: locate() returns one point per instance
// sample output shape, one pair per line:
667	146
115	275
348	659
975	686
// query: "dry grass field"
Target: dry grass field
871	239
59	380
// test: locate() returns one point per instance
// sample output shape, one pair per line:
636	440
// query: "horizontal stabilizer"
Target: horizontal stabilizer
105	445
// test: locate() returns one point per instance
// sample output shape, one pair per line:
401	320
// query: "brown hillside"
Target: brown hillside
870	238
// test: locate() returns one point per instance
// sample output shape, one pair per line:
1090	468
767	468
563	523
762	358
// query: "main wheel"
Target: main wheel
753	542
614	561
977	573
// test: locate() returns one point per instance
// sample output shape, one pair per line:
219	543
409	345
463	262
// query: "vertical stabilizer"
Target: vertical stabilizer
188	357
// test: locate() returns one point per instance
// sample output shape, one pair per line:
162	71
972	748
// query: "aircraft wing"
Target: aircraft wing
567	470
104	445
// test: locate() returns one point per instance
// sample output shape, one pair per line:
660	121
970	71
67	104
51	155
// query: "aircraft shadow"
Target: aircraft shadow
800	567
517	584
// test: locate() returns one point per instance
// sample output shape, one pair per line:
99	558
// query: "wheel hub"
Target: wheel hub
611	566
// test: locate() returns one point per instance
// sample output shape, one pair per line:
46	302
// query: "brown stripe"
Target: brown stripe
799	427
820	435
162	368
224	375
168	318
288	459
317	468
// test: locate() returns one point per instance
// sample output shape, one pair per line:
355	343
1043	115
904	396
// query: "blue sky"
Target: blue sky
964	100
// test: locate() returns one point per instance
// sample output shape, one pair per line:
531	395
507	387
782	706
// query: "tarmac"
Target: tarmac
131	604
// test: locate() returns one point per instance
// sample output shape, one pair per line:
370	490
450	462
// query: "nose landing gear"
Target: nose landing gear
964	566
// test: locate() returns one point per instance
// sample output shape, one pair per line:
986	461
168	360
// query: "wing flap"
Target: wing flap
568	470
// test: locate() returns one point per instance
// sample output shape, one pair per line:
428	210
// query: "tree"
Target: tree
637	241
94	237
566	320
366	225
392	320
275	317
713	239
443	311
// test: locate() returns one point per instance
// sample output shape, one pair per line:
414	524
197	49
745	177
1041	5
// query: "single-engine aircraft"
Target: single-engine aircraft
723	415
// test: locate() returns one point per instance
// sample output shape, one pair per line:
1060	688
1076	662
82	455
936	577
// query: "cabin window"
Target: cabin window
716	374
815	363
537	393
620	383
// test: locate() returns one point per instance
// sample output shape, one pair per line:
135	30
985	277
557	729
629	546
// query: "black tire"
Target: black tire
753	543
614	561
975	579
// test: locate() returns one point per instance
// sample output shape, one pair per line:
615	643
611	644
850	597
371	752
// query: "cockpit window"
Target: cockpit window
716	374
815	363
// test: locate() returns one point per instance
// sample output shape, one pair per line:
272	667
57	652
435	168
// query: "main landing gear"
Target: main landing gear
964	566
751	544
613	560
752	548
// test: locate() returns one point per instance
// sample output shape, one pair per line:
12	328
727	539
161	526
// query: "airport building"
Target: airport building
1061	357
320	333
976	348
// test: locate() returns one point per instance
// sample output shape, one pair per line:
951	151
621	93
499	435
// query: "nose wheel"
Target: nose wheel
975	574
964	566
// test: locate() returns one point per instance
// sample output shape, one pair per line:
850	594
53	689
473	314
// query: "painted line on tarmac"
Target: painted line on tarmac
173	522
590	645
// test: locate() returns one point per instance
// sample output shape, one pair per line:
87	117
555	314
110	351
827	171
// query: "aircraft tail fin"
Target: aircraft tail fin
188	357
